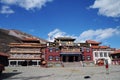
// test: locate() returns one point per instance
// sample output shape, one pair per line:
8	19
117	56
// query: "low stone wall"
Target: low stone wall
88	63
54	64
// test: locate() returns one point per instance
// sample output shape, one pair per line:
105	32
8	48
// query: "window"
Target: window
88	49
101	54
88	57
13	62
57	58
50	58
56	50
50	49
96	54
105	54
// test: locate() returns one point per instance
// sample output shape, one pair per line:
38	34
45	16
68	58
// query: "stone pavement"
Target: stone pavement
59	73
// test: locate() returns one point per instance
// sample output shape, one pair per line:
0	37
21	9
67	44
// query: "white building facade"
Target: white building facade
102	54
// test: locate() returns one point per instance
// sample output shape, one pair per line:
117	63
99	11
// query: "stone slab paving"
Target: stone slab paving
59	73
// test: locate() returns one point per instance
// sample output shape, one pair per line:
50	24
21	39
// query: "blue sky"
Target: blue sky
81	19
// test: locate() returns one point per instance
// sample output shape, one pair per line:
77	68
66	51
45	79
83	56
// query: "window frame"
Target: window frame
101	54
105	54
50	50
87	49
50	58
56	49
57	58
88	57
96	54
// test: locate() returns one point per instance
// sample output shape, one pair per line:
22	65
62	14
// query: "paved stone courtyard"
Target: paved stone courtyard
59	73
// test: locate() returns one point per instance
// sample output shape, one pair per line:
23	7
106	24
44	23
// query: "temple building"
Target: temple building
64	49
29	52
70	51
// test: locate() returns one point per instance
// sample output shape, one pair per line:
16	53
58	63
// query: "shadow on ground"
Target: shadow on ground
8	75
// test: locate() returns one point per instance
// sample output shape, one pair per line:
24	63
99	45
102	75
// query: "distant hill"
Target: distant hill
11	36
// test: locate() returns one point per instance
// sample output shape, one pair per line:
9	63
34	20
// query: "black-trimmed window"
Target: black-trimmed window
56	50
96	54
50	58
105	54
101	54
57	58
50	49
87	49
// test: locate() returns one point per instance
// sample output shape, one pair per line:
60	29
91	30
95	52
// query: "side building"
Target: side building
100	53
27	53
116	57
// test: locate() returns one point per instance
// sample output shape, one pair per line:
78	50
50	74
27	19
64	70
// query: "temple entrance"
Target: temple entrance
63	58
70	57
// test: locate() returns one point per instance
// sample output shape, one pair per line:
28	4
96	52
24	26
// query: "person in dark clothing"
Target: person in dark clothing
107	66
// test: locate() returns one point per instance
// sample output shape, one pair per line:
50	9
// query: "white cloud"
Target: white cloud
9	1
26	4
6	10
98	35
57	33
109	8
